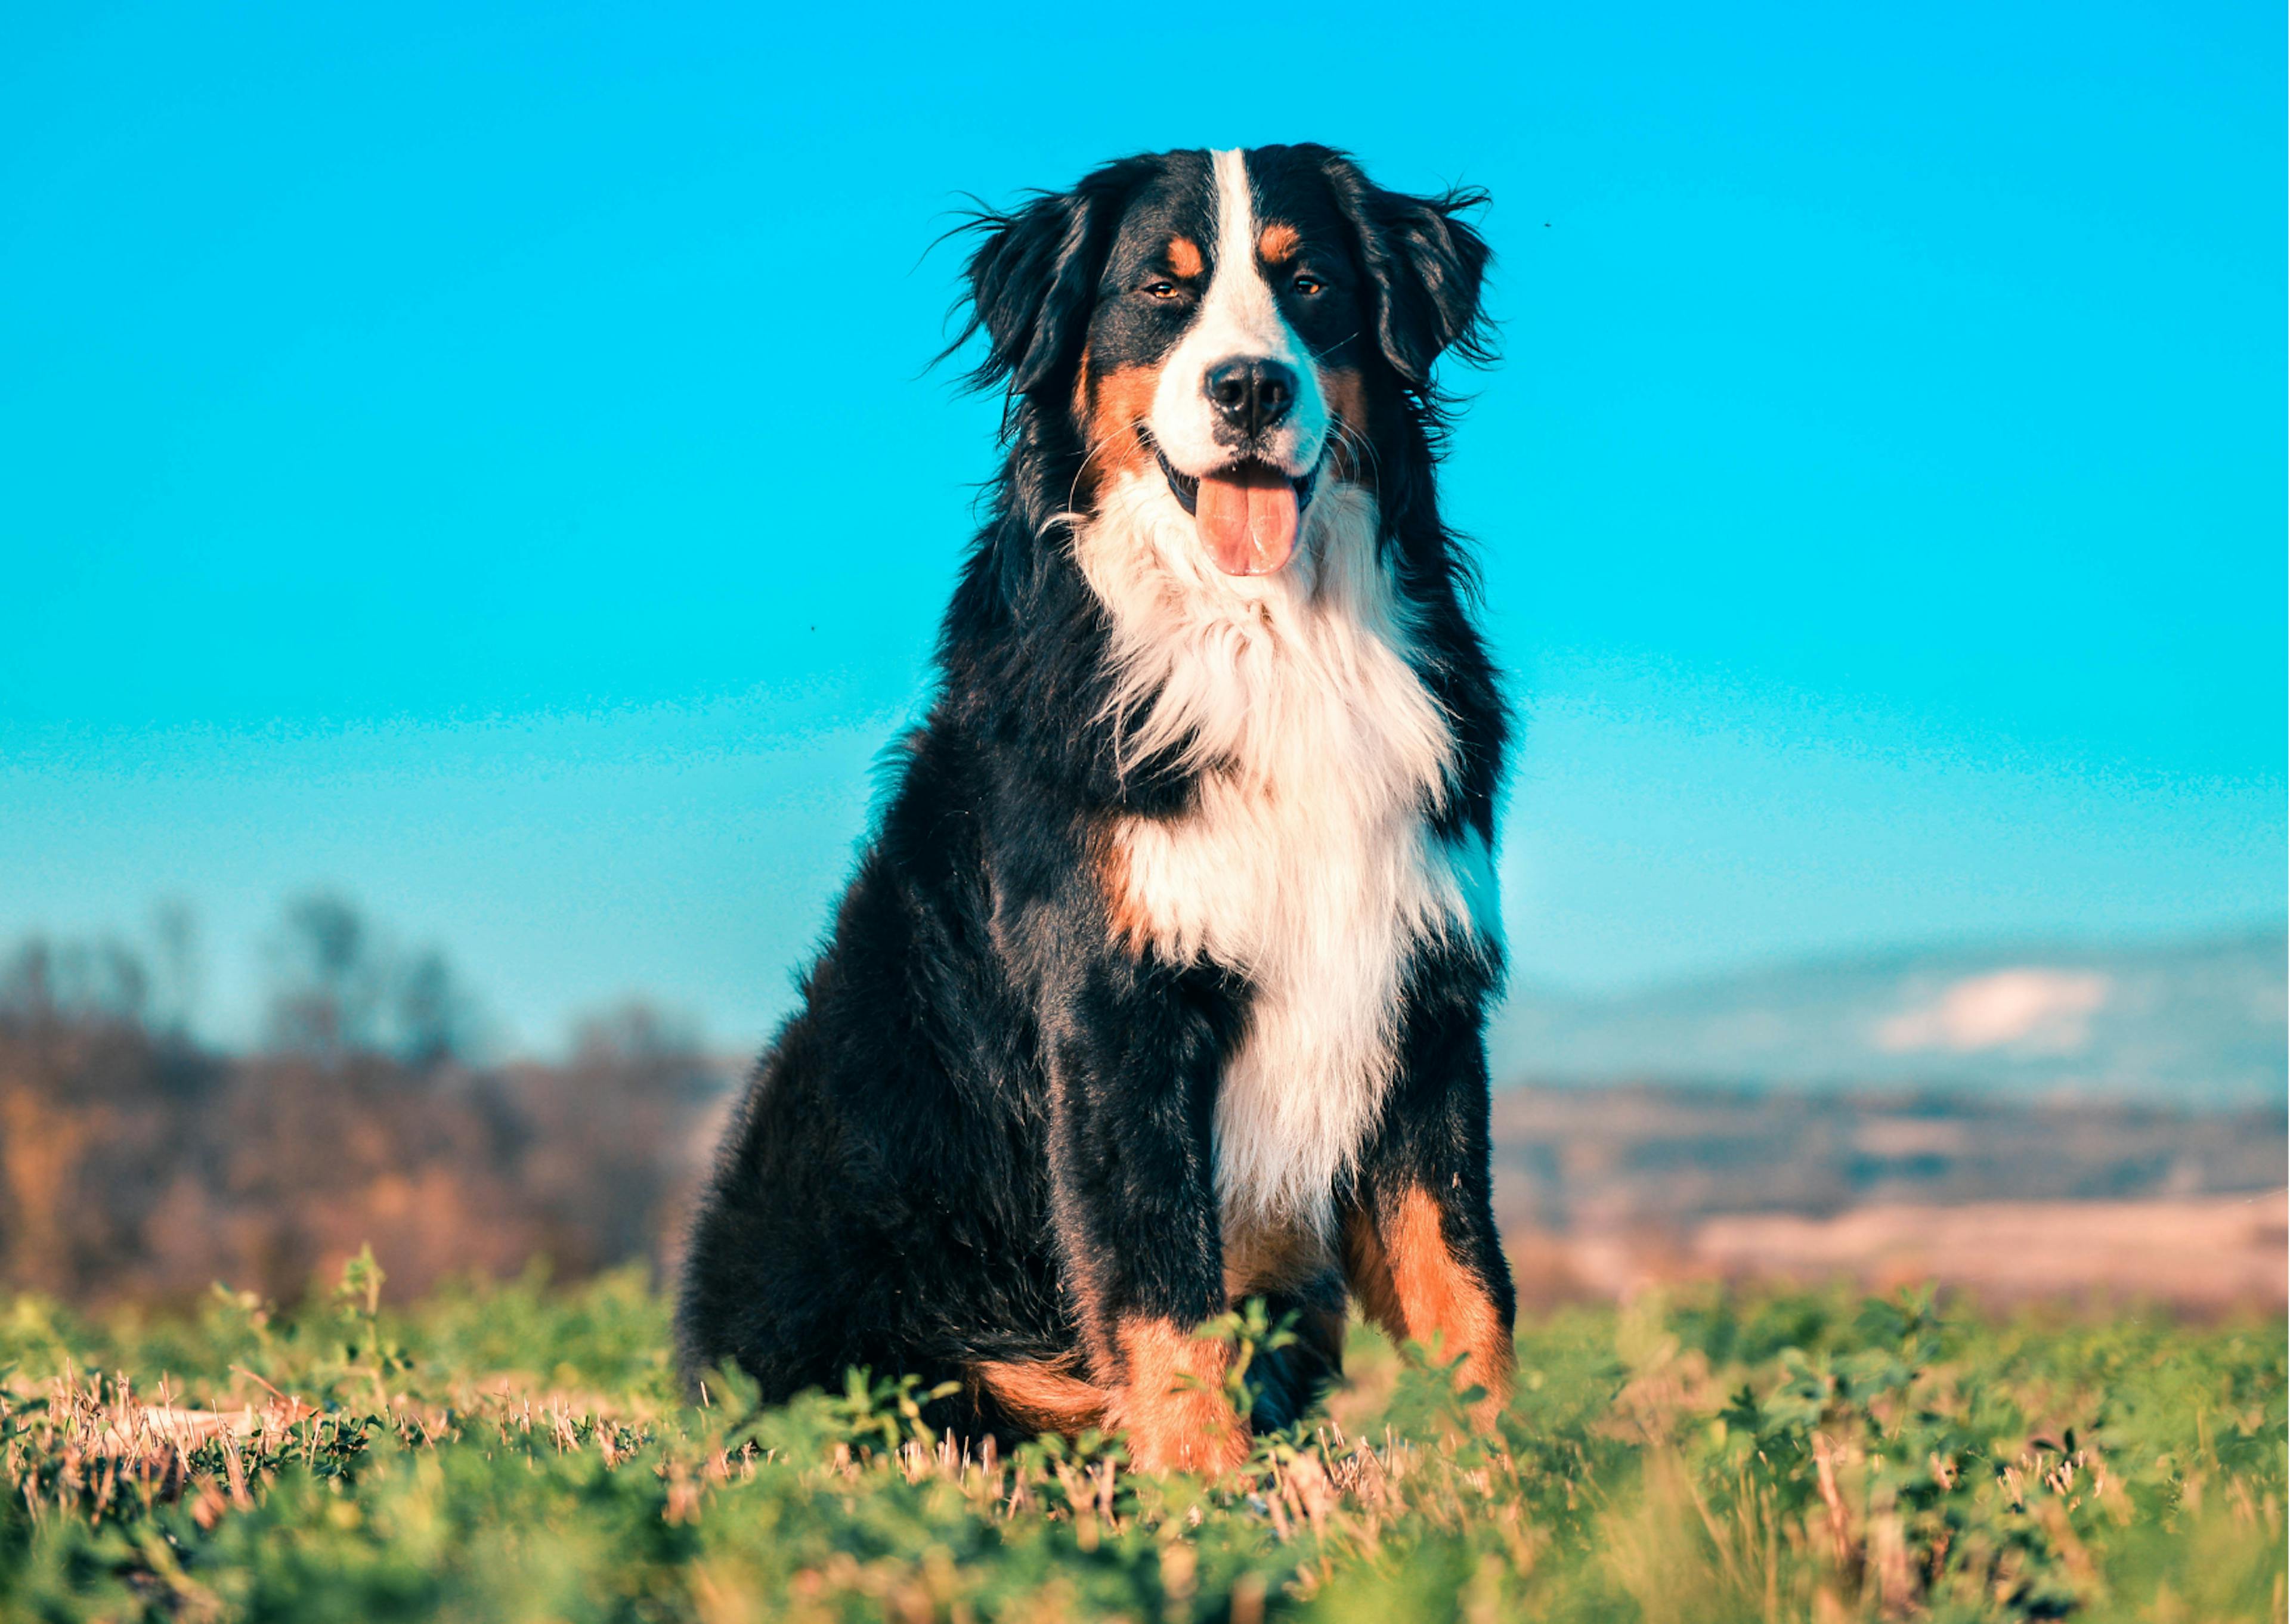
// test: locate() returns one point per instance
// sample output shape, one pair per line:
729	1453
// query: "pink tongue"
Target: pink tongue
1248	518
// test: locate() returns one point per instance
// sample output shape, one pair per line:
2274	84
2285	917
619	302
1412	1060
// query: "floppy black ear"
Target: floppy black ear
1033	280
1425	266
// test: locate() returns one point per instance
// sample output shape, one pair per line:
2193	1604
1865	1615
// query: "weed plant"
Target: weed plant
515	1452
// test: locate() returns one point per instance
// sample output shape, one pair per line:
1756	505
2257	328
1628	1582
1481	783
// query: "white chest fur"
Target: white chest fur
1307	863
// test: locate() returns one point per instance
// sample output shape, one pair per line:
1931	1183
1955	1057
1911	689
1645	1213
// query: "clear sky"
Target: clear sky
481	458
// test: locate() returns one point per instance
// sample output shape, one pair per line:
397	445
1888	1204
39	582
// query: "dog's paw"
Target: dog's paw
1188	1433
1174	1404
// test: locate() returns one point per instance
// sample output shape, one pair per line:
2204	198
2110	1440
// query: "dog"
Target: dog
1161	983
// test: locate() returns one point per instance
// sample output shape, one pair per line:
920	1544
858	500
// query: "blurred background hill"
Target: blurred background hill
2021	1118
2194	1021
2018	1122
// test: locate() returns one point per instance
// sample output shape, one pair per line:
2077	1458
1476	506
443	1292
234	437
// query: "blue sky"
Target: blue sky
482	459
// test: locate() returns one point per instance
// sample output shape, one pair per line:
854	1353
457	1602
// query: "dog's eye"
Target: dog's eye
1307	284
1159	289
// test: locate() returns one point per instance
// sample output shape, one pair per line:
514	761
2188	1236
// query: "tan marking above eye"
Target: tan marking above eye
1277	242
1185	256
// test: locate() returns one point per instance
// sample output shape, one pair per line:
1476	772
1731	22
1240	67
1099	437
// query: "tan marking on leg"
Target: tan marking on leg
1410	1282
1276	242
1047	1395
1097	1350
1172	1401
1185	256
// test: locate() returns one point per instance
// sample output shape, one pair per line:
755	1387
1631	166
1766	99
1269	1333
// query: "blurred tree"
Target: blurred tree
433	1017
328	985
135	1164
637	1031
51	979
27	987
340	987
617	1133
175	930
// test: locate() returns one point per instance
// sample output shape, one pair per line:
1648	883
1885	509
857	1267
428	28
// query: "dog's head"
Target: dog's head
1244	323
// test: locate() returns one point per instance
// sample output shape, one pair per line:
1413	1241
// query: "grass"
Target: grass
520	1452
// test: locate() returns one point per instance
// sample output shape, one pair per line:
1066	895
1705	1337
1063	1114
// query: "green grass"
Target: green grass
518	1452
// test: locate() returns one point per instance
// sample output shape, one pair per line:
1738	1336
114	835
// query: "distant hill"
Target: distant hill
2193	1023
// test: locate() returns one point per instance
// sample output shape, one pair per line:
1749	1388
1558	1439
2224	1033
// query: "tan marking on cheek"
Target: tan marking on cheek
1410	1282
1047	1395
1115	406
1345	389
1276	242
1171	1400
1185	256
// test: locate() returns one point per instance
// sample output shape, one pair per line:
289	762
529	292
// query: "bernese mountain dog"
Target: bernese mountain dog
1161	982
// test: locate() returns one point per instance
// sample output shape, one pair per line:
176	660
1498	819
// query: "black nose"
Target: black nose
1252	395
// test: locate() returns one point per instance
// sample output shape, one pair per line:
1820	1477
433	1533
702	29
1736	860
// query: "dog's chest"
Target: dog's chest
1319	888
1306	864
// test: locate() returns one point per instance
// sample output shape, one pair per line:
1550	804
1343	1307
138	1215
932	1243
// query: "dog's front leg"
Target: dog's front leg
1132	1174
1420	1250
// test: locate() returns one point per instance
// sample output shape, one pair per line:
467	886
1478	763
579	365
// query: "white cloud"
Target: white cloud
2047	1012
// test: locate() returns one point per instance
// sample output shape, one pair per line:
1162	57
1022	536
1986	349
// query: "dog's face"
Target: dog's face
1235	322
1223	345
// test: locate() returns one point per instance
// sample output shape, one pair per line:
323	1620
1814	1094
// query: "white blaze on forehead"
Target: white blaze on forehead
1238	320
1240	301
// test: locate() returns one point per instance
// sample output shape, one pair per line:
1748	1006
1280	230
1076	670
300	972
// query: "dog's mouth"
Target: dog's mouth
1248	513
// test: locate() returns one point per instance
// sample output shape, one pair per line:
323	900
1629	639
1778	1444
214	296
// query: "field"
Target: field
519	1452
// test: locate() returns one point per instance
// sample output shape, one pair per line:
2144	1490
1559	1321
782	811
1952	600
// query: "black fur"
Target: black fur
990	1123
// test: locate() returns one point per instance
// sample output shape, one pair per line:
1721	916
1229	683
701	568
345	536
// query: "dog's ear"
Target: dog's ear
1426	268
1033	280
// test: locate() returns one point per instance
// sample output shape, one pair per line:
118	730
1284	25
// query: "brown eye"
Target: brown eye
1159	289
1308	284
